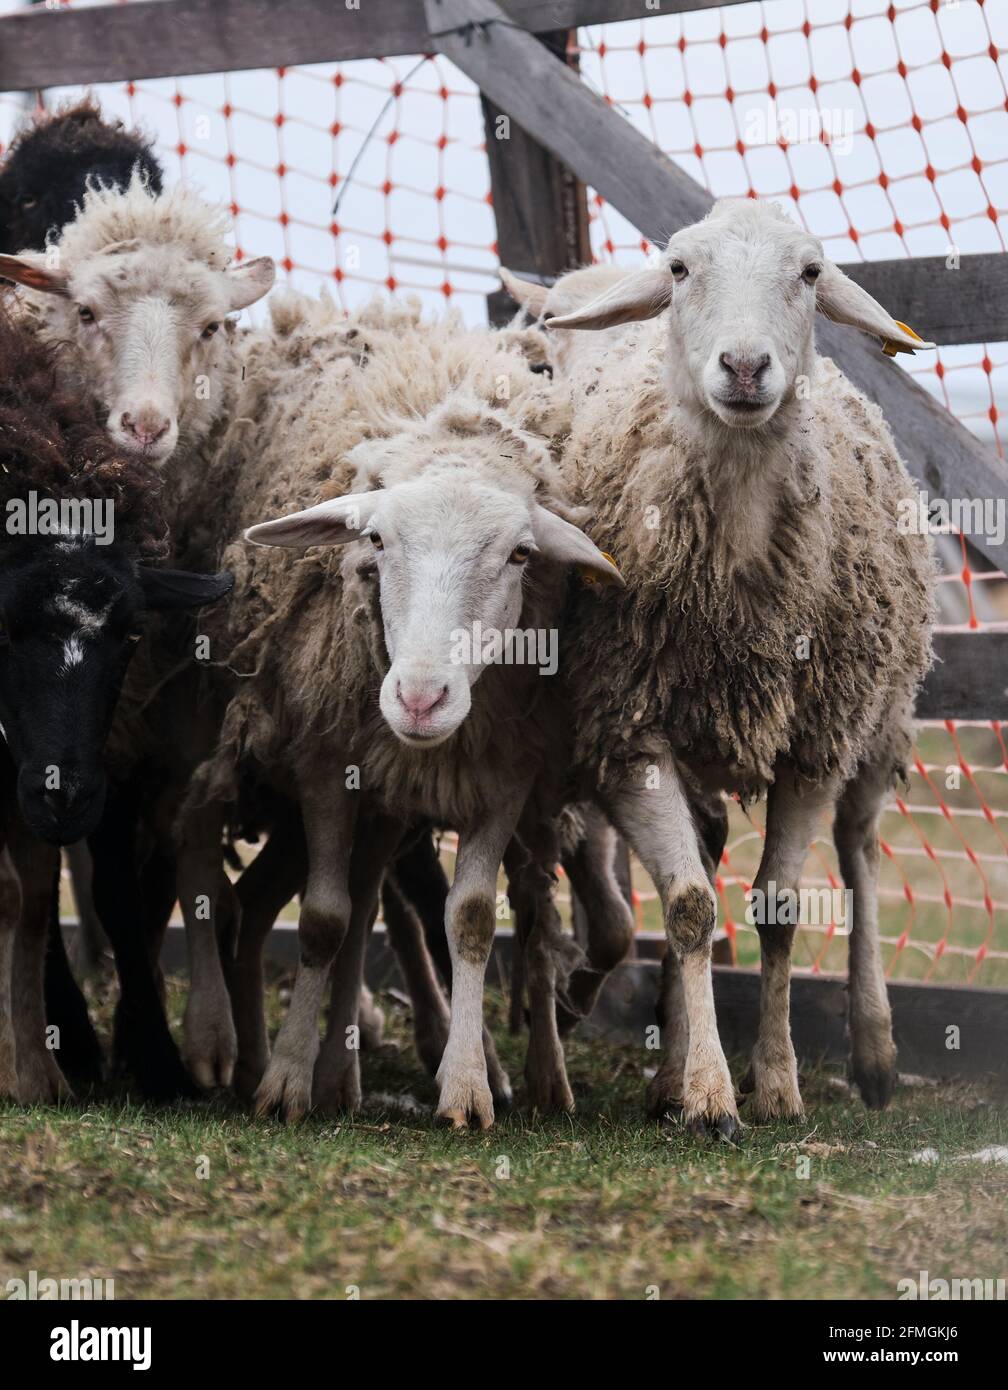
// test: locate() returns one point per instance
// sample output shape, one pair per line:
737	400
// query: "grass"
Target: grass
202	1202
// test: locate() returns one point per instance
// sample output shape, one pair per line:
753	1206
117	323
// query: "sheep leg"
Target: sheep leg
370	1020
431	1018
337	1085
10	913
665	1089
40	1080
276	874
423	883
659	827
329	813
91	940
793	815
543	946
610	925
855	832
470	919
210	1045
143	1042
67	1010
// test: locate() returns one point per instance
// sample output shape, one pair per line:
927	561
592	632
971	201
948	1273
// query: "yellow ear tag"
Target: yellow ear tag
891	349
591	577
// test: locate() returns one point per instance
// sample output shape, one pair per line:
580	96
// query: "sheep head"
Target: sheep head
135	292
742	289
452	557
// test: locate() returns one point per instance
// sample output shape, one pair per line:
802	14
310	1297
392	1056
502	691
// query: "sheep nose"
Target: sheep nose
421	700
148	427
747	370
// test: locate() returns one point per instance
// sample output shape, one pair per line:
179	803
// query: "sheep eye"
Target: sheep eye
677	270
376	540
85	315
811	274
133	638
519	555
29	203
210	330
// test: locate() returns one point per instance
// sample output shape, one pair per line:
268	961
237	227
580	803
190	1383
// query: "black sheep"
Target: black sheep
48	165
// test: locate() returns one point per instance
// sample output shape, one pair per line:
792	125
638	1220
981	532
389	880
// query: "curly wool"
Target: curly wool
334	405
812	649
52	443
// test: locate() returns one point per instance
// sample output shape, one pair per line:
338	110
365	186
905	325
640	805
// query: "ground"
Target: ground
203	1202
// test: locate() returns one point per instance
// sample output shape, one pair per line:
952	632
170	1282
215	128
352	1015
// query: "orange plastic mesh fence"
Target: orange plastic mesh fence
883	127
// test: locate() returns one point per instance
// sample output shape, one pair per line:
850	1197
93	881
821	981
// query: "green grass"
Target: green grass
601	1205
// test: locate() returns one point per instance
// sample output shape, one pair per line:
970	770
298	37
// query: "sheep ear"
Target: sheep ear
249	281
34	275
329	523
175	590
639	296
560	541
531	297
843	301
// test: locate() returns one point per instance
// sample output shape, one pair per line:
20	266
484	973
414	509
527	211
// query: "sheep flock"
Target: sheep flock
338	583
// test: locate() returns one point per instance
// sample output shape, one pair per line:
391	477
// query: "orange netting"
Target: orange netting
884	127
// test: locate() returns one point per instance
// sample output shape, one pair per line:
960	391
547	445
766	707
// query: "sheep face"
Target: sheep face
70	615
450	558
147	327
741	290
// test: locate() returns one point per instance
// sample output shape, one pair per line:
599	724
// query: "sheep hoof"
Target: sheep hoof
776	1096
550	1092
285	1089
465	1096
876	1081
210	1047
337	1085
664	1096
40	1082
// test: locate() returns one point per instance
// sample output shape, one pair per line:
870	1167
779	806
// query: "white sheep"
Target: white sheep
776	623
446	434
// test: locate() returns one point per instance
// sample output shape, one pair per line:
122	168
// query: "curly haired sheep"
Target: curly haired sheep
776	622
79	519
52	161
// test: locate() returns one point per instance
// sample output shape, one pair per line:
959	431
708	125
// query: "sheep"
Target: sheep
43	180
73	595
138	297
451	486
776	622
51	162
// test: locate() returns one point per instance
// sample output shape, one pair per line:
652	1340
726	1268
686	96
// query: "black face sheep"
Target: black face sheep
776	621
52	161
78	521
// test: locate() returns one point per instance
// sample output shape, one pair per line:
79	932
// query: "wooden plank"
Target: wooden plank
603	149
967	304
970	678
541	209
921	1016
176	38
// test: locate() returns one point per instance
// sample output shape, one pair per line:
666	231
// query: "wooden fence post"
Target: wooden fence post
540	206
